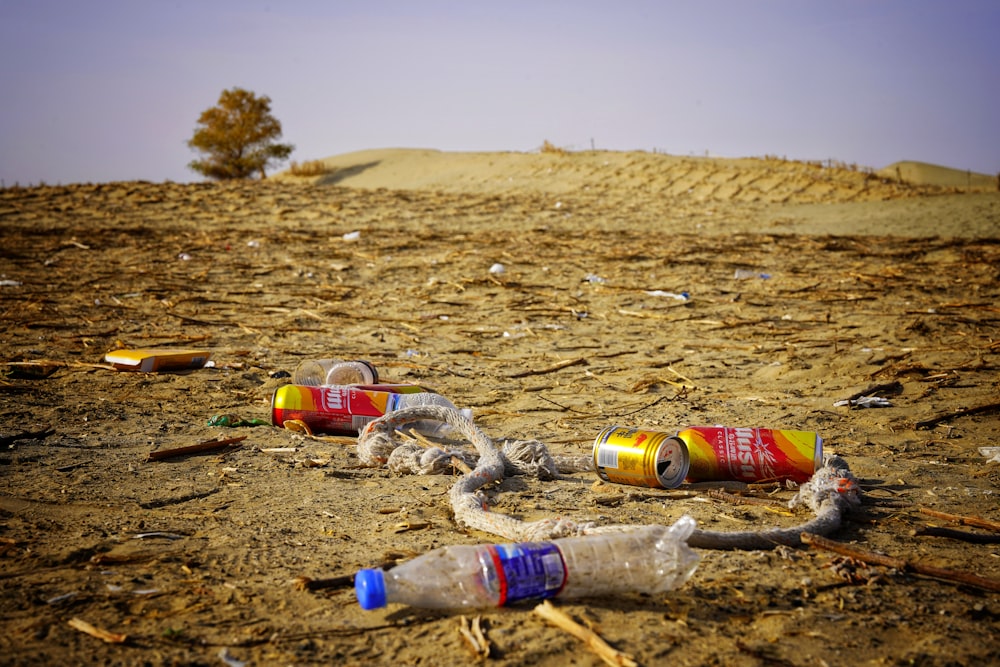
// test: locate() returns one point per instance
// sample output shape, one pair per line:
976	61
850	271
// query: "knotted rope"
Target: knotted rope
830	492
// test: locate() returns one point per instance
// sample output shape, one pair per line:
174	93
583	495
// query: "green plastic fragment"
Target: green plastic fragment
234	421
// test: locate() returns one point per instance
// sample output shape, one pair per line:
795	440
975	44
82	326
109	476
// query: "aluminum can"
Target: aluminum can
641	458
751	454
343	410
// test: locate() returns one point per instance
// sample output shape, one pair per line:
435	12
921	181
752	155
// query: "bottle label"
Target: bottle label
528	570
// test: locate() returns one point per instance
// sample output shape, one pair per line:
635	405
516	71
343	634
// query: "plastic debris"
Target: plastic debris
59	599
235	420
230	660
498	269
594	279
992	454
352	236
682	296
745	274
865	402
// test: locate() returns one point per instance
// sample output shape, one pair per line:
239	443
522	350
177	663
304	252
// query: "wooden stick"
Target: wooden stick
616	499
474	637
343	581
610	655
690	383
736	499
308	584
460	465
978	410
962	520
964	535
201	447
550	369
103	635
873	558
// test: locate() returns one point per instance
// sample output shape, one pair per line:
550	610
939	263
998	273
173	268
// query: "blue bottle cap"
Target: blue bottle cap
369	586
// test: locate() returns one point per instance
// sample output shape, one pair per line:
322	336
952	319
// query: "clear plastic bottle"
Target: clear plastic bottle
427	427
650	559
316	372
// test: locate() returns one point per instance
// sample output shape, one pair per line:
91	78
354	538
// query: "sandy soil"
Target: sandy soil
195	558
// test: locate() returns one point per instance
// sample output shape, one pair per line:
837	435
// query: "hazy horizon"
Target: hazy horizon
112	90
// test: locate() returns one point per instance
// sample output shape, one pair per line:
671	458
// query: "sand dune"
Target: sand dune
765	180
922	173
712	194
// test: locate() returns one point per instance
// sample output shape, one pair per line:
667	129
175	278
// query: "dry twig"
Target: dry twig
343	581
963	535
962	520
103	635
460	465
550	369
561	620
474	636
900	564
736	499
200	448
940	419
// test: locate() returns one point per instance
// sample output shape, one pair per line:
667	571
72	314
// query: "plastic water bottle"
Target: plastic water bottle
345	410
651	559
427	427
316	372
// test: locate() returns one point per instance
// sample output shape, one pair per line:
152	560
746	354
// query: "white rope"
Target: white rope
829	493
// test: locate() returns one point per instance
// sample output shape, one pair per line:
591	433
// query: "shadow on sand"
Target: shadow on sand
339	175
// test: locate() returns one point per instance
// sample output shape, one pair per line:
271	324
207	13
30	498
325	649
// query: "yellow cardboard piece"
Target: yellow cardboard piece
153	360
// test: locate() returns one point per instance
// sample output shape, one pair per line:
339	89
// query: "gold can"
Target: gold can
641	458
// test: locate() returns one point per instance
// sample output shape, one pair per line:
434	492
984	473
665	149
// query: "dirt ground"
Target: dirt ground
195	559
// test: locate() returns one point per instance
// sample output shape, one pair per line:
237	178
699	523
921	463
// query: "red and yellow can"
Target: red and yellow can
336	409
641	458
751	454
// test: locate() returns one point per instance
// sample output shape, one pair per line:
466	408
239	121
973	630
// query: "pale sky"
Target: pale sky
110	90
